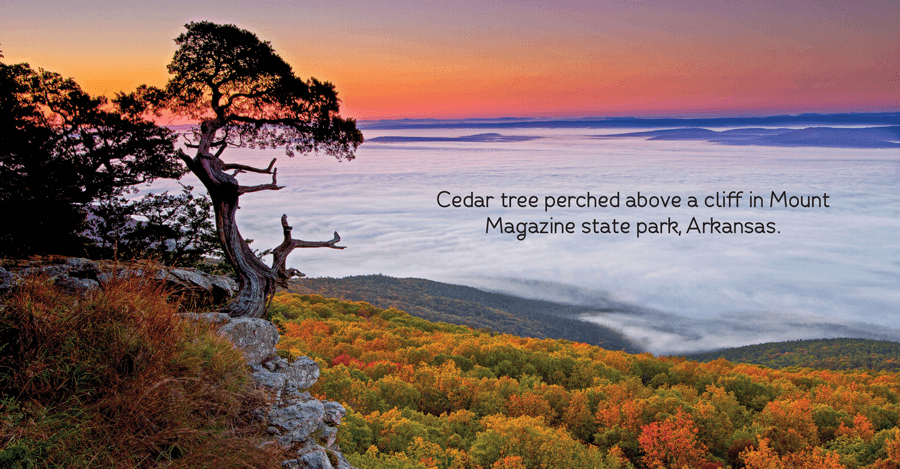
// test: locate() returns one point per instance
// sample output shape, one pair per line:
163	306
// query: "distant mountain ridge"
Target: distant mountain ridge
456	304
510	314
488	137
808	119
835	137
831	354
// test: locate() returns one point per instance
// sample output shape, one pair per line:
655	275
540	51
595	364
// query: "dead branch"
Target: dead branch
251	169
281	252
262	187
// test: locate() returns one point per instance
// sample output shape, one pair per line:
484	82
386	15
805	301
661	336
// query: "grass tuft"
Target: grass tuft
115	379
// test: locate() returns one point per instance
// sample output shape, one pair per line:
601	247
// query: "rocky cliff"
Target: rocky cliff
295	419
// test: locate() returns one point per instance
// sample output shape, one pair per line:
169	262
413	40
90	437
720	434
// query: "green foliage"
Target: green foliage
446	396
62	150
354	434
533	442
829	354
174	230
854	451
373	459
455	304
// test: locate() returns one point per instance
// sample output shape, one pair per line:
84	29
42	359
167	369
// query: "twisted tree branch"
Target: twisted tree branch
262	187
280	253
242	167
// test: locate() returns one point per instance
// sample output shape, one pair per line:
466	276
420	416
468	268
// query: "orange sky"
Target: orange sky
498	58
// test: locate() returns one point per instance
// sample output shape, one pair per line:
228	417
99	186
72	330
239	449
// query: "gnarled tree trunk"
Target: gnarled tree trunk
257	280
245	95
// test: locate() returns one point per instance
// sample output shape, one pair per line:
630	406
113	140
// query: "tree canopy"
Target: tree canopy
423	394
62	149
67	157
239	88
244	95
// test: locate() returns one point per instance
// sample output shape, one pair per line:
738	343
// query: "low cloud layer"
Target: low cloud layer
665	333
832	267
820	137
669	334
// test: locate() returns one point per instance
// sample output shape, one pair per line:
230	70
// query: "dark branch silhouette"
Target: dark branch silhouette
62	152
289	244
245	95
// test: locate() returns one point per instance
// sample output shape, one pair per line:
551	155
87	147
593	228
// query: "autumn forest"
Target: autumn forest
423	394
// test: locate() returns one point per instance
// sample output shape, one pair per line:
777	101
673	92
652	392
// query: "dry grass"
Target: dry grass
114	379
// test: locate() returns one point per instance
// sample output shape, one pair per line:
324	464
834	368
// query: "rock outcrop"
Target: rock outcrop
295	419
256	337
79	276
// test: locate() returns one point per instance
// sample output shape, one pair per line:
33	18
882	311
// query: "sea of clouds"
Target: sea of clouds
830	272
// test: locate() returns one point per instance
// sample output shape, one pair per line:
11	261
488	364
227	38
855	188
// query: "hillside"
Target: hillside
116	379
424	395
455	304
829	354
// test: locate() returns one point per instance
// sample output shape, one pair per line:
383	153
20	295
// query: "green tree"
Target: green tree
244	95
176	230
61	150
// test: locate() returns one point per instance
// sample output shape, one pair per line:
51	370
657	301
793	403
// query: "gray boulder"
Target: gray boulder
255	337
52	271
217	319
342	461
334	412
303	372
79	276
192	277
198	287
274	382
276	364
297	419
77	286
326	435
7	281
316	459
82	268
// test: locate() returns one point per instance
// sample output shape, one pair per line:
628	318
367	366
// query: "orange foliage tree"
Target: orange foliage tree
672	443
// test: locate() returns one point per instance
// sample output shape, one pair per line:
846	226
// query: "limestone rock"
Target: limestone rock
274	382
52	271
192	277
334	412
83	268
342	461
108	276
222	285
217	319
276	364
198	287
303	372
297	419
80	276
316	459
255	337
326	435
7	281
313	456
77	286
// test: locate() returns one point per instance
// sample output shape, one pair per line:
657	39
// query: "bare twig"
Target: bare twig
281	252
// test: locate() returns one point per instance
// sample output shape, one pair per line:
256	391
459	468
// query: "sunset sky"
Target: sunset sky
489	58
